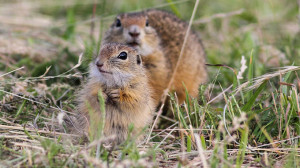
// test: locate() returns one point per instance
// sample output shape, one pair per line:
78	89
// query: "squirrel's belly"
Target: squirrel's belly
117	121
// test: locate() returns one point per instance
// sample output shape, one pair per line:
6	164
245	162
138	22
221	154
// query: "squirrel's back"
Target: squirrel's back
191	69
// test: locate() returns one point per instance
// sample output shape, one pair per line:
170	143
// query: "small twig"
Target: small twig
219	15
167	118
93	20
286	121
45	73
182	129
259	80
33	130
154	123
169	128
211	86
28	146
34	79
200	150
298	80
232	151
75	66
286	84
11	71
222	65
289	139
277	114
25	98
63	95
219	95
164	139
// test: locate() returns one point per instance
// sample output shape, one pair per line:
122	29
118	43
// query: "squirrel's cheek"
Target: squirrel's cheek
94	71
149	30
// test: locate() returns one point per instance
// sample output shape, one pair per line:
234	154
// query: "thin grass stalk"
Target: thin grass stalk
163	99
277	116
154	123
93	22
201	151
243	147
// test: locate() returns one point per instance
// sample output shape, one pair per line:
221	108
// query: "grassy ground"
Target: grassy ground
40	44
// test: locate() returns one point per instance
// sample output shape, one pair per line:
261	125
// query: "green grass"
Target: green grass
262	120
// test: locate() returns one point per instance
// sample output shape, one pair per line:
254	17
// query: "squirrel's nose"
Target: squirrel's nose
98	64
134	31
134	34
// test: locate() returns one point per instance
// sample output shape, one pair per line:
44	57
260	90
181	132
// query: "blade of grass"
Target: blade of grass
252	99
243	146
21	108
188	143
174	8
250	73
203	142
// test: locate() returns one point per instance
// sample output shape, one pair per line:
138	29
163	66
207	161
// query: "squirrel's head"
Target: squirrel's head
116	65
133	29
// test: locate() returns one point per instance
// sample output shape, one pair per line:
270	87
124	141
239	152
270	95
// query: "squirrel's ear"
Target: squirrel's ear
138	59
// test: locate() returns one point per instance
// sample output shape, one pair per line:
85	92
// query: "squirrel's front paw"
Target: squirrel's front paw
114	95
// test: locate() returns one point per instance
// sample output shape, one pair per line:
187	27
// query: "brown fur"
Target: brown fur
164	35
125	103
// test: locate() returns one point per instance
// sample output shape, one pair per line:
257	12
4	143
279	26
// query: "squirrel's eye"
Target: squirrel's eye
118	23
147	23
138	59
122	55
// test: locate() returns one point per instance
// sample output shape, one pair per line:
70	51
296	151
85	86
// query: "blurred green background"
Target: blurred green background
54	33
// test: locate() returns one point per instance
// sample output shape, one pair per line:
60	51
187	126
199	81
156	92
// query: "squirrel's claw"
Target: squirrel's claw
114	94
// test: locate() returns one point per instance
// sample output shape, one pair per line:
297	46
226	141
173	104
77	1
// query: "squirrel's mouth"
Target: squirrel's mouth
134	43
102	71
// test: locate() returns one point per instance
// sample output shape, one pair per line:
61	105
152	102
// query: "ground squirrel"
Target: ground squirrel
117	72
158	36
